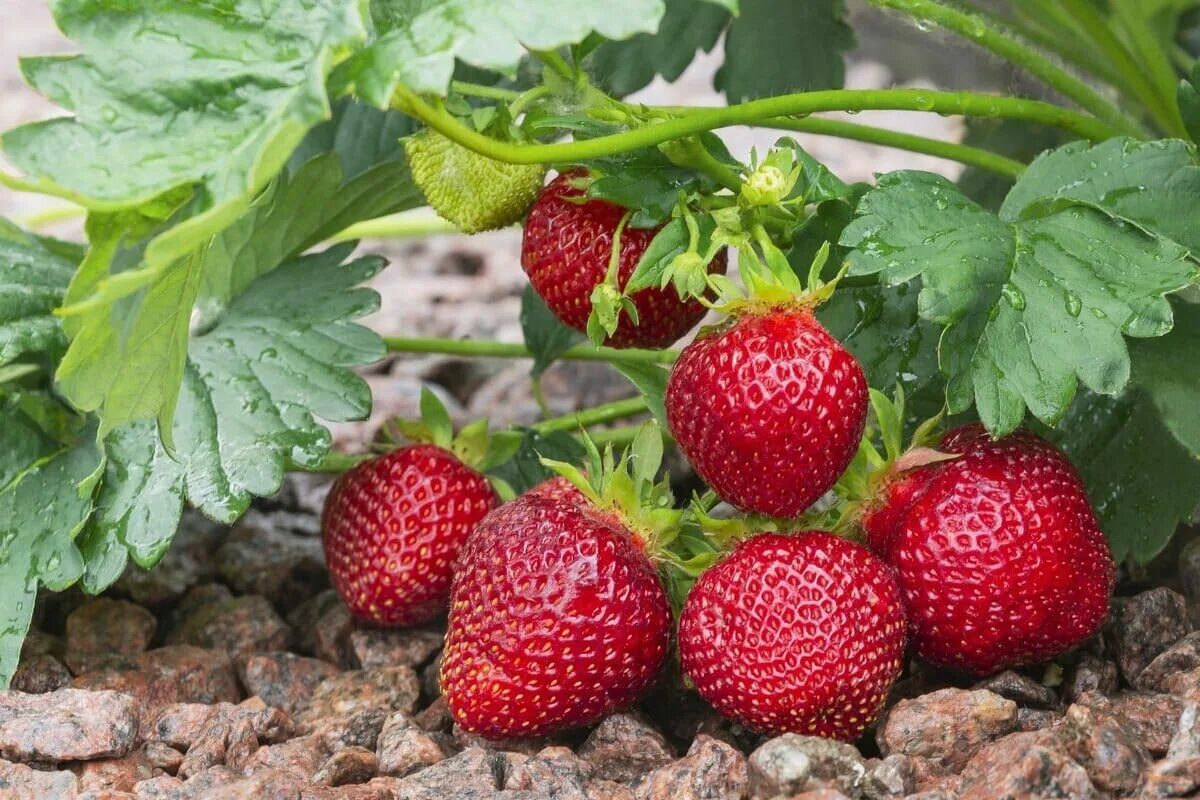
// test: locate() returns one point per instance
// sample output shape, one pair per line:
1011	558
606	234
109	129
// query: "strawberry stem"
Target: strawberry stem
486	349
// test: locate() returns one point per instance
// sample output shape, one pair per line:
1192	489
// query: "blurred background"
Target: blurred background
470	287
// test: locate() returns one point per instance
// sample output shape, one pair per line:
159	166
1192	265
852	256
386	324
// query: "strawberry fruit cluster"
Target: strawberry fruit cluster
983	556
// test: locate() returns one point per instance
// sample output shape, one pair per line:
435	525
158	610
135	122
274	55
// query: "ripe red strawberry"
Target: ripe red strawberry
559	488
557	618
998	553
392	528
799	633
566	250
769	410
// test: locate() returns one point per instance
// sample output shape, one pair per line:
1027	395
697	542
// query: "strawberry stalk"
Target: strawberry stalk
473	348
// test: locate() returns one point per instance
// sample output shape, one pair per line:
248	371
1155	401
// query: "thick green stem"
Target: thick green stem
333	462
396	226
479	90
52	215
1098	29
555	62
691	152
977	29
609	412
1034	23
697	120
620	437
972	156
1154	58
482	349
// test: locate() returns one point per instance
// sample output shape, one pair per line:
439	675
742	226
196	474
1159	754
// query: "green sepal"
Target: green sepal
434	413
474	445
628	487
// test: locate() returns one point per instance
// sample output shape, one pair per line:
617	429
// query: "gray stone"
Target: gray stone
1025	765
949	726
188	562
396	647
19	782
711	770
1090	674
790	764
67	725
1181	657
473	774
261	556
1145	626
554	772
347	766
1106	746
1021	690
624	747
284	680
343	696
404	748
240	626
894	776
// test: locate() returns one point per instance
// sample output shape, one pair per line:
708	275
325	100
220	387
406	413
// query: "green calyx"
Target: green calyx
473	191
864	481
474	445
629	488
607	299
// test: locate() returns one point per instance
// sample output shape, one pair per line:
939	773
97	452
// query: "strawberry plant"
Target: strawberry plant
225	153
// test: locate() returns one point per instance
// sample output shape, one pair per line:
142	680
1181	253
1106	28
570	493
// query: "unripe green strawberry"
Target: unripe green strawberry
473	191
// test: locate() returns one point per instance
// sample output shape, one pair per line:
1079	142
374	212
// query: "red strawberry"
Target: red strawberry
557	618
558	488
565	252
769	410
798	633
998	553
392	528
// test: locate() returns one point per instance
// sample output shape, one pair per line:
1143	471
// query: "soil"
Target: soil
233	671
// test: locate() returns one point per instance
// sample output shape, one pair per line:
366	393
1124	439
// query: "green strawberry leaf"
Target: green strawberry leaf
774	48
417	43
127	356
212	96
32	282
881	326
1140	453
649	182
1140	479
1030	306
545	336
1153	185
524	469
279	354
43	506
817	183
621	68
1016	139
138	505
651	381
657	265
1189	103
